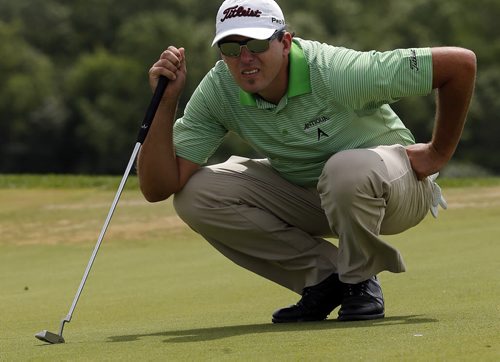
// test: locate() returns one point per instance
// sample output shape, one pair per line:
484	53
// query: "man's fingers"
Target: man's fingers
172	65
164	67
173	55
183	59
170	62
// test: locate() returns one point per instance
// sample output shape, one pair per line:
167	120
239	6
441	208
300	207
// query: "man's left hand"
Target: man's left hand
425	160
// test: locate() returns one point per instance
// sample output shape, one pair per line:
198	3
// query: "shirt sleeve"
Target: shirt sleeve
367	80
197	134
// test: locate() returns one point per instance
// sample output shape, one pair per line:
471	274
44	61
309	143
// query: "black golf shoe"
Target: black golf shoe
316	304
362	301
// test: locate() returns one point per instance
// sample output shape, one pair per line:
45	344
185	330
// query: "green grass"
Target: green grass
51	181
159	292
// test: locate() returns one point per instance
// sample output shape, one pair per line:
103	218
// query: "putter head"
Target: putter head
49	337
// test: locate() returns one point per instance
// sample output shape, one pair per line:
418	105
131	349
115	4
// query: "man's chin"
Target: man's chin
250	86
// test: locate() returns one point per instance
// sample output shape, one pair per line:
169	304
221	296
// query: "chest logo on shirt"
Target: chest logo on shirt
314	126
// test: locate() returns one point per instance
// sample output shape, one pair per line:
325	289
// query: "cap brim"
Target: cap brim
254	33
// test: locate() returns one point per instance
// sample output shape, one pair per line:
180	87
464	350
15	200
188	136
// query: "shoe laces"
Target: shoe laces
322	295
358	289
310	296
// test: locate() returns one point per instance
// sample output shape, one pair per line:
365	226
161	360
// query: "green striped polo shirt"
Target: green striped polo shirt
337	99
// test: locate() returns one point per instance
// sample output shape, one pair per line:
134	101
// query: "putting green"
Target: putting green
159	292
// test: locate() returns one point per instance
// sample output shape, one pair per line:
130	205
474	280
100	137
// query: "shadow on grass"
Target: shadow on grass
207	334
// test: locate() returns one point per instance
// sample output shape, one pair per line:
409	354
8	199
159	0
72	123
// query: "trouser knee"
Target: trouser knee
206	201
191	202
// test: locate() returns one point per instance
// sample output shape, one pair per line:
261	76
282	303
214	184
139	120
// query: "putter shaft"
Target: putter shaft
143	131
101	235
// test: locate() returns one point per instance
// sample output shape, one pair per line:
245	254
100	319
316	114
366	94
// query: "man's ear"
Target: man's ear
287	43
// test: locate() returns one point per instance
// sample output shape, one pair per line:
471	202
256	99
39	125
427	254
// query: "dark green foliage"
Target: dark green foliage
74	72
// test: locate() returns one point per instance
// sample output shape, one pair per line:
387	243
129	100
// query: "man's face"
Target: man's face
263	73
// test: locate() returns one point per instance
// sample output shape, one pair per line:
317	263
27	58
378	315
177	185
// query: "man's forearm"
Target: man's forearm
454	94
157	163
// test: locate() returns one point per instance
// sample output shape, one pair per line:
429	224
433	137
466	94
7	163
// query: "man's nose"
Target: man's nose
246	55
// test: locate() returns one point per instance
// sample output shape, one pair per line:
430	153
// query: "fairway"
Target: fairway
158	291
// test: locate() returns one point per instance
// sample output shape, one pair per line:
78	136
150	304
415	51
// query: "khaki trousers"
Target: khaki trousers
276	229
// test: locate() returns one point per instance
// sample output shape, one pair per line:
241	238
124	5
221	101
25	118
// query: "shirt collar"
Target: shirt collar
299	81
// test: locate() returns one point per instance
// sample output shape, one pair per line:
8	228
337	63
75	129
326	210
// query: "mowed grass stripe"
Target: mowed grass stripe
158	291
103	182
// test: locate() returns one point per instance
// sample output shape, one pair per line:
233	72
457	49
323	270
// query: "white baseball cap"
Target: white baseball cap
257	19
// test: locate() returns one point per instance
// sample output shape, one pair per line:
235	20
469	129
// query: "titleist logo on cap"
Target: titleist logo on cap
239	12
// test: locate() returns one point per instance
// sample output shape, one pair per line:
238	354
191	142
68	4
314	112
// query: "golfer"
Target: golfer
339	163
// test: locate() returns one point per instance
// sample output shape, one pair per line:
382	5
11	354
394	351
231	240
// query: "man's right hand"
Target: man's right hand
172	64
161	173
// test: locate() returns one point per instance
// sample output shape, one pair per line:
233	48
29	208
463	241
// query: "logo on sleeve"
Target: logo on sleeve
414	61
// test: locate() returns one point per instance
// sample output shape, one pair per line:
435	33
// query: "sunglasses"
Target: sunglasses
233	48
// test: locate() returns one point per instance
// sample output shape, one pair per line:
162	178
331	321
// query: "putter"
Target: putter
54	338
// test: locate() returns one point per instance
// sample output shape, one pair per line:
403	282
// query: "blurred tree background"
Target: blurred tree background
73	73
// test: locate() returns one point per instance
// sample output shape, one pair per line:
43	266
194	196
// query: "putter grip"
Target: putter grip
153	106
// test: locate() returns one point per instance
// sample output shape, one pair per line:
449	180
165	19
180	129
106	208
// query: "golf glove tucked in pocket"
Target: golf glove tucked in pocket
437	196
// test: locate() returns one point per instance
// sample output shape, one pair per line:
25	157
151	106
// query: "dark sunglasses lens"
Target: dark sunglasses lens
230	49
233	49
258	46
